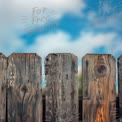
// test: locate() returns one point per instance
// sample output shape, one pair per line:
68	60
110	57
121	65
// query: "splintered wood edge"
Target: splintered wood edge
24	55
60	54
95	54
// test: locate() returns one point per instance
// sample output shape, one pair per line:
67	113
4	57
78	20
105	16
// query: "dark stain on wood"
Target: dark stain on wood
87	79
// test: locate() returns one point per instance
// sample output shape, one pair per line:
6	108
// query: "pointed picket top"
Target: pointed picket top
24	55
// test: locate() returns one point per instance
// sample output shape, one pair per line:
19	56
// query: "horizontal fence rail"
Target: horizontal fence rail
21	97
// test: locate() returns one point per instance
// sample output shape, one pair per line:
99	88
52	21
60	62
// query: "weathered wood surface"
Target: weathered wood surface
120	85
99	93
3	66
24	100
62	88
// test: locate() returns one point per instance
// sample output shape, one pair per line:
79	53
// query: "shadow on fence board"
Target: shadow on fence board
21	92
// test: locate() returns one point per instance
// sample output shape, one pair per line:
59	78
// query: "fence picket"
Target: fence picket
24	100
99	93
62	88
3	66
120	85
21	94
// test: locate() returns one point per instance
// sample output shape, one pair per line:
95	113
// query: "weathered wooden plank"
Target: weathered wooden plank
24	100
62	88
99	93
120	85
3	66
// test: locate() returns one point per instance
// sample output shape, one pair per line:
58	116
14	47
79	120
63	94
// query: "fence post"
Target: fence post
3	65
99	93
120	86
62	88
24	100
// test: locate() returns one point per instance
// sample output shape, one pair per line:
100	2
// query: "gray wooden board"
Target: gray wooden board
24	100
62	88
120	84
3	66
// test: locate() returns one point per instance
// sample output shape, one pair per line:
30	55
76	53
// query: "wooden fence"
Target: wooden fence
99	93
21	91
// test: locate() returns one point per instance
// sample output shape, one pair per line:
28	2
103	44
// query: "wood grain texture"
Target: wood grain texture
99	93
3	66
120	85
62	88
24	100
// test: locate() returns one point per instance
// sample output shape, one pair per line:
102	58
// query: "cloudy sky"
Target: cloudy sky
47	26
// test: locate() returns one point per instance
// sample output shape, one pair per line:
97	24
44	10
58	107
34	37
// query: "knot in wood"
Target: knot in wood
101	70
24	89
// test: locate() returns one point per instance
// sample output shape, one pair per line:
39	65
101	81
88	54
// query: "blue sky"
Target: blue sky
74	26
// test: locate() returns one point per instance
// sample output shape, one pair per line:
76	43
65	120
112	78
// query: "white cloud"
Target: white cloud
19	14
61	6
61	42
108	15
16	18
10	44
113	21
